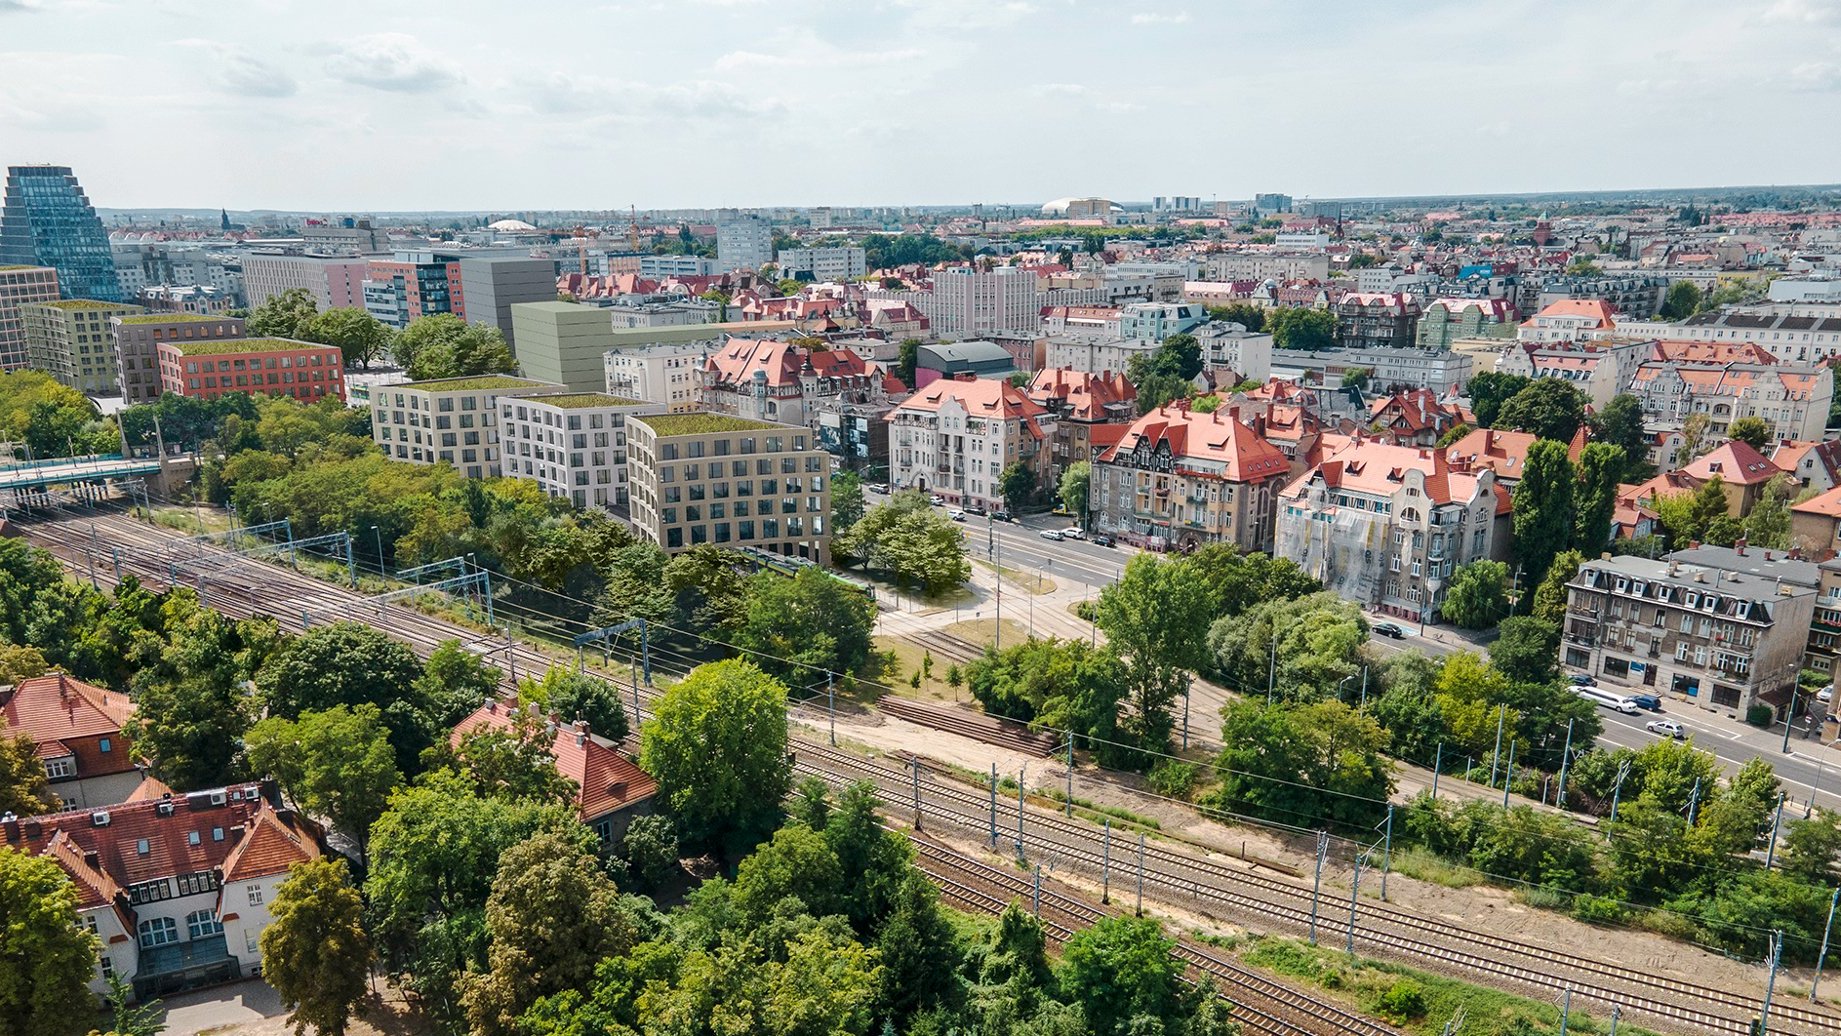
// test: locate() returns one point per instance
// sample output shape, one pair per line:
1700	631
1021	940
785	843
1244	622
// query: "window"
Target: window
158	931
63	767
254	892
104	745
200	924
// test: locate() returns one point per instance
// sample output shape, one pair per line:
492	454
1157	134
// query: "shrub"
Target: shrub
1403	1001
1173	779
1759	715
1597	909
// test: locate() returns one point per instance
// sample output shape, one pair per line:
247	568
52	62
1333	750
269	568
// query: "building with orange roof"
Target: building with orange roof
769	380
610	789
1814	465
955	436
177	889
1568	320
1178	479
1387	525
1081	402
1815	524
1601	369
1415	418
1504	452
1792	332
1742	469
83	736
1791	398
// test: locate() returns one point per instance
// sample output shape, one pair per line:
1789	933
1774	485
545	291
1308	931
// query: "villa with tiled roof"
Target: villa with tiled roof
610	789
82	733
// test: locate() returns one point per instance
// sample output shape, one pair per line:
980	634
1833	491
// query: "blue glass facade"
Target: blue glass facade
45	220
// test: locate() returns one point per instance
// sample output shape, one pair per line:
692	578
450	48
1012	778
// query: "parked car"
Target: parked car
1647	701
957	516
1388	629
1050	534
974	509
1607	699
879	487
1073	532
936	499
1580	679
1826	694
1062	512
1002	516
1666	727
1102	540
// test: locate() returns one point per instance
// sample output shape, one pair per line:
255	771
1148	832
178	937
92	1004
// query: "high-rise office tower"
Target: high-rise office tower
45	220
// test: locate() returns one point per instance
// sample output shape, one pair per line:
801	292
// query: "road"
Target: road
1809	766
1019	545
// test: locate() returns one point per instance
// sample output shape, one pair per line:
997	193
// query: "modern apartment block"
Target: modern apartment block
73	340
1179	479
744	243
955	438
823	264
448	420
494	283
573	444
202	368
334	283
1686	625
728	481
47	220
137	346
1159	320
968	302
412	285
18	285
667	373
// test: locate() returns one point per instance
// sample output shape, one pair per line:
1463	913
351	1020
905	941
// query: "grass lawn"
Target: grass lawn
910	657
187	520
982	631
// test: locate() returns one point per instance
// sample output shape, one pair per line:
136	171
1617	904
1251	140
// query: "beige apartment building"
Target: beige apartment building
74	342
20	284
446	420
729	482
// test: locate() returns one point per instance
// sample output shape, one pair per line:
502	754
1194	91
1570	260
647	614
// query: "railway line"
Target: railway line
1209	885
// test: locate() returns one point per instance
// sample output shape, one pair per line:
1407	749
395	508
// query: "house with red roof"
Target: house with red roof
955	436
1569	320
177	889
83	736
1504	452
610	789
1386	525
1179	479
1415	418
1743	470
782	381
1082	401
1814	465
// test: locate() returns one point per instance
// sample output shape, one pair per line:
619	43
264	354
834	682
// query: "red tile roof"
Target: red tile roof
1218	438
605	780
1086	395
68	717
1736	463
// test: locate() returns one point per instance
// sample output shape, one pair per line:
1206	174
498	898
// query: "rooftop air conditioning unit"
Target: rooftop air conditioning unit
218	798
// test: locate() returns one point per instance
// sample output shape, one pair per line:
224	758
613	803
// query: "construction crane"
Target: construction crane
632	226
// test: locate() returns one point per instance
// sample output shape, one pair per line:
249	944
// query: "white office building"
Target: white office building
968	302
744	243
823	264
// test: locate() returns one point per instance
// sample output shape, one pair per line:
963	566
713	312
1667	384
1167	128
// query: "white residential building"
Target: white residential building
956	437
744	243
1095	353
1231	347
823	264
446	421
1800	332
968	302
669	373
573	444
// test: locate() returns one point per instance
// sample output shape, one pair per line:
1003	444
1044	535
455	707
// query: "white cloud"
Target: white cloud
619	100
1159	18
1809	12
824	57
1819	76
395	62
18	6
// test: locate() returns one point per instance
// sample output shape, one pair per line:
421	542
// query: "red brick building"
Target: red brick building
80	733
610	789
208	368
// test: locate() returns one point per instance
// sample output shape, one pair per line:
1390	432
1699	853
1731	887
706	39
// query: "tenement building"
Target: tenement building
728	481
1183	479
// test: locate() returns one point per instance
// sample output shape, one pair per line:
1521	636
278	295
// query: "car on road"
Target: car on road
1647	701
974	509
936	499
1607	699
1050	534
1062	512
1580	679
1102	540
1073	532
1666	727
957	515
1388	629
1826	694
879	487
1002	516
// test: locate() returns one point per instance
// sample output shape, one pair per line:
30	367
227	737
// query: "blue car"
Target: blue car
1647	701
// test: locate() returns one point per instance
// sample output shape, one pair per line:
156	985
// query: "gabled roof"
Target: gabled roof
1595	311
63	715
1088	396
1826	505
1792	456
982	397
1216	438
1736	463
1364	465
605	780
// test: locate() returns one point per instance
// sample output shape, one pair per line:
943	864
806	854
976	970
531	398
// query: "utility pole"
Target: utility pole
1272	666
1508	779
917	803
1694	802
1770	855
1770	984
831	703
993	805
1140	909
1566	757
1355	890
1105	864
1188	685
1037	909
1070	796
1021	777
1790	717
1502	712
1316	887
1437	761
1622	772
1617	1012
1566	1009
1387	857
1822	955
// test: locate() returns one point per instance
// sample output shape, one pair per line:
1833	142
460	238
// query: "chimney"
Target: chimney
1693	544
1739	545
1767	555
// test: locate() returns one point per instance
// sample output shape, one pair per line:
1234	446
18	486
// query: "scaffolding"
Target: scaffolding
1343	548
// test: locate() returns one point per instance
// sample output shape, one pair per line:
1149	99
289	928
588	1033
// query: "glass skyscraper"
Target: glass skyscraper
45	220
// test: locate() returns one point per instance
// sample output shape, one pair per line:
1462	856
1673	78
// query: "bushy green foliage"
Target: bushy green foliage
910	541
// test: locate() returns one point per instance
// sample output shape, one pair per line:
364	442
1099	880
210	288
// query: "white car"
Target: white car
1073	532
1826	694
1050	534
1666	727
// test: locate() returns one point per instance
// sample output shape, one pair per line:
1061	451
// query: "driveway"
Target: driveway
236	1005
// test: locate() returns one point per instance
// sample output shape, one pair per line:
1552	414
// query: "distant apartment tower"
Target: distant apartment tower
744	243
450	420
73	340
729	482
823	264
492	285
137	346
203	368
572	444
21	284
658	267
1178	203
968	301
46	220
334	283
1272	202
413	285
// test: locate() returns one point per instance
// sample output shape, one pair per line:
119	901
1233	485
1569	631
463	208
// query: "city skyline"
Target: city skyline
714	103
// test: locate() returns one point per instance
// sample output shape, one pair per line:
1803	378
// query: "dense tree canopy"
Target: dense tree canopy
47	955
717	747
445	346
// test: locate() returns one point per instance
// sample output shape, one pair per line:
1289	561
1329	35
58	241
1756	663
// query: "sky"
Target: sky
507	105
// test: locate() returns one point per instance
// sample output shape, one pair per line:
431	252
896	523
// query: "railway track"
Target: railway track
250	587
1005	733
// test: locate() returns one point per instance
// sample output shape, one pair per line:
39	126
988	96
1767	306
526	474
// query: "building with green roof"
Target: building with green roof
137	346
572	444
73	340
700	478
447	420
19	284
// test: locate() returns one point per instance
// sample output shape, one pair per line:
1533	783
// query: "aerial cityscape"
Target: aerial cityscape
744	529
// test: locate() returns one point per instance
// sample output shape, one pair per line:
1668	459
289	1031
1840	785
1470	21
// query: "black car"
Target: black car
974	509
1001	516
1388	629
1102	540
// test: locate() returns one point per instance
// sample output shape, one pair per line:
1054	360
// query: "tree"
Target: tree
802	628
1246	314
1550	408
1693	434
1017	483
875	857
283	315
1691	516
20	663
552	916
454	682
1490	390
907	359
336	764
1682	301
1811	847
445	346
795	863
1149	615
1302	764
1306	647
1620	423
650	847
348	663
1543	508
1156	390
1478	596
1302	328
1768	524
1752	431
910	540
1122	972
717	748
1076	484
846	501
570	695
315	951
1064	684
1582	266
25	573
517	764
359	336
1527	648
1601	469
919	952
24	789
1550	596
47	955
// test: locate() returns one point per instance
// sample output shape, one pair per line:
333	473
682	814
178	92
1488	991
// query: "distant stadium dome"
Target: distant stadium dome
510	226
1081	208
